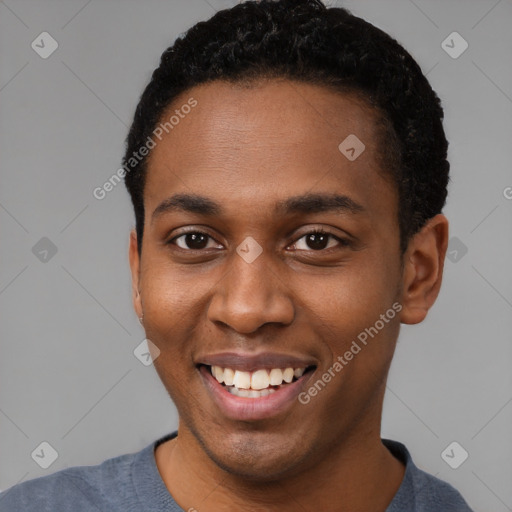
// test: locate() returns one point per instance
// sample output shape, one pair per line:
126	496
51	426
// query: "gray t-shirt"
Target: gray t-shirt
132	483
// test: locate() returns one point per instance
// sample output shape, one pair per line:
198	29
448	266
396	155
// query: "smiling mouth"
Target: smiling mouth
259	383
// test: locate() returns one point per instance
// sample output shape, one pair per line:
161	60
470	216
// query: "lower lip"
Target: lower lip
252	409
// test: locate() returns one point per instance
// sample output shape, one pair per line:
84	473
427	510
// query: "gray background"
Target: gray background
68	374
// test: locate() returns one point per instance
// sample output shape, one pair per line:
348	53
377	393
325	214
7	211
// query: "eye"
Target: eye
192	241
316	240
319	240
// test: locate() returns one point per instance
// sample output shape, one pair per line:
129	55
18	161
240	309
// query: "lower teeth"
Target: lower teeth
250	393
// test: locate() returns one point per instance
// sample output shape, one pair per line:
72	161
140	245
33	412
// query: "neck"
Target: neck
356	474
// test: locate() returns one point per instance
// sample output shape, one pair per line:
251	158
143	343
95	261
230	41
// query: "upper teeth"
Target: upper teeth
259	379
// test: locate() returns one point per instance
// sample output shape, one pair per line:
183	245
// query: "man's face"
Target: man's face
301	302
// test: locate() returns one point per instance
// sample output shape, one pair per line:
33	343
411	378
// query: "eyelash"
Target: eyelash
342	241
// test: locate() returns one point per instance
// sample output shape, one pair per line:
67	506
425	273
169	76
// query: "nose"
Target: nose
250	295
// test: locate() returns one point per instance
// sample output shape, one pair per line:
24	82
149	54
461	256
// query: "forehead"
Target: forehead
273	112
267	141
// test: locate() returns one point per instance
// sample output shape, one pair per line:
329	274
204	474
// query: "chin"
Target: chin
258	456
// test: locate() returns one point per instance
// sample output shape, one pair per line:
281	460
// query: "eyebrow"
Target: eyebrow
306	203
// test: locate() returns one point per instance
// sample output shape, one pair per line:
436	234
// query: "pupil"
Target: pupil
196	240
317	240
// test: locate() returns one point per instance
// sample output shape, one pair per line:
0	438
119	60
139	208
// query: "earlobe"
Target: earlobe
134	259
423	269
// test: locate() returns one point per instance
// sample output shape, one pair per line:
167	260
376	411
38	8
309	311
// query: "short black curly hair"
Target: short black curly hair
306	41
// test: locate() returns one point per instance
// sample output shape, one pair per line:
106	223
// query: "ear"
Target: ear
134	258
423	269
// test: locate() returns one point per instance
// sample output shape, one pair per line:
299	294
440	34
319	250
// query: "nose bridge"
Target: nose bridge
250	294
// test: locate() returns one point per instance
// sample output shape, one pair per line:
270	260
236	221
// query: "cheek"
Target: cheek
345	310
170	323
168	305
170	295
175	303
350	296
358	343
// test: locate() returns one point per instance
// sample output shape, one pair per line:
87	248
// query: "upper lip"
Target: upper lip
252	362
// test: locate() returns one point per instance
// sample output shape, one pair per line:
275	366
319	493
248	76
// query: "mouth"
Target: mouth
255	393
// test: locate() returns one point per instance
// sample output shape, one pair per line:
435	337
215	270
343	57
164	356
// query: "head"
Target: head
248	126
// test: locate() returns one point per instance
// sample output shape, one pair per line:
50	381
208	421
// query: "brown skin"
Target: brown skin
247	148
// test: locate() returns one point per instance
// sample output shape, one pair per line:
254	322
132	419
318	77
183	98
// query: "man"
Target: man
287	168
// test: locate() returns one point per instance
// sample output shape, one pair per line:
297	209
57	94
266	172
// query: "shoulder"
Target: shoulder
79	488
436	494
421	491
